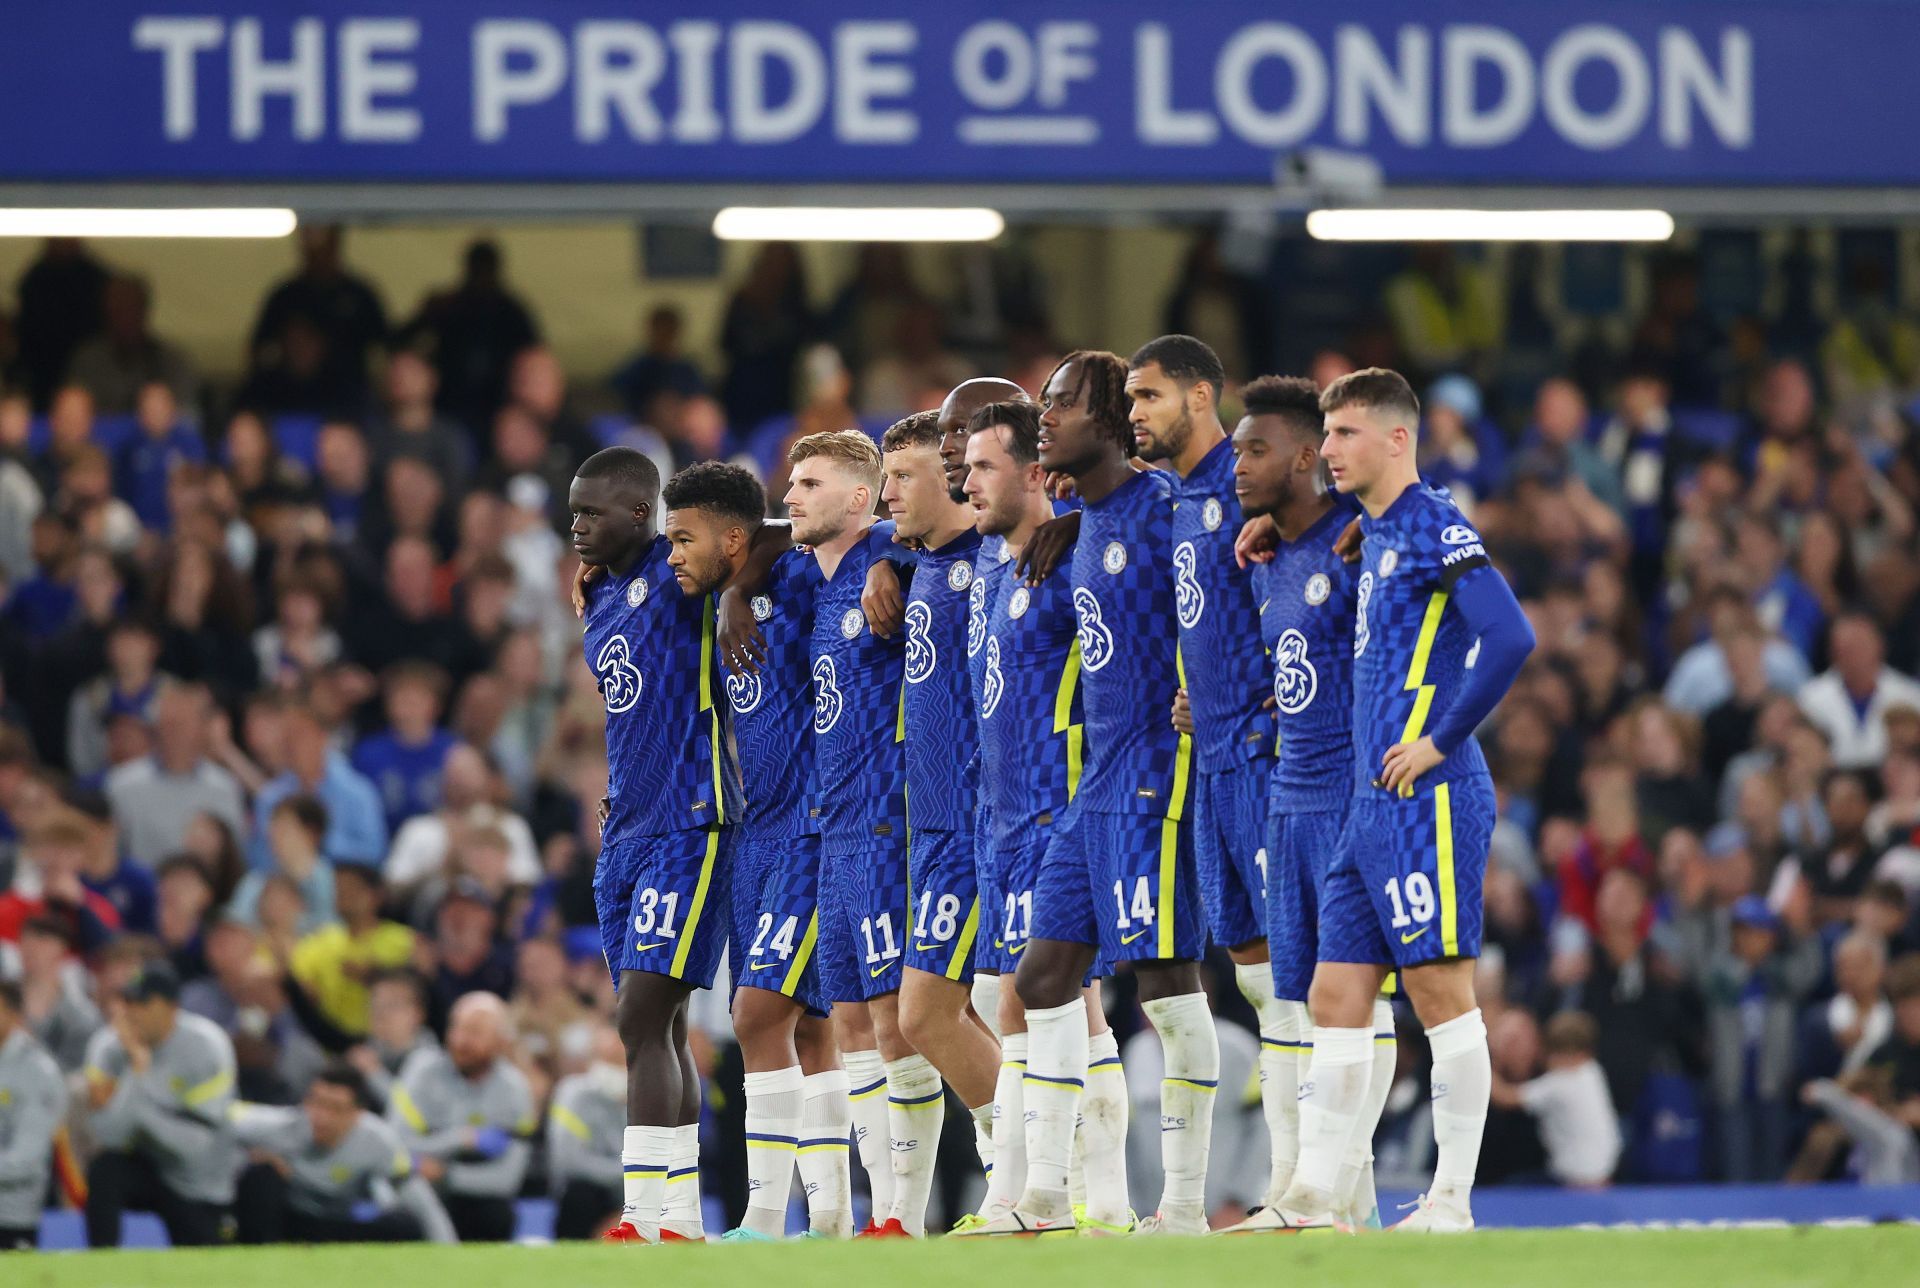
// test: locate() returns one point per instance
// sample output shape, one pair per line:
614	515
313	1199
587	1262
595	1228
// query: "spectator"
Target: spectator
160	1085
210	842
296	832
1895	818
1729	727
86	493
105	870
186	901
356	827
1850	700
1570	1100
155	798
659	366
20	497
424	845
404	760
1862	1106
1839	1035
204	615
1838	872
466	1114
1610	839
1667	787
119	363
412	428
317	327
261	475
584	1128
411	622
1447	315
1459	451
335	963
471	331
767	322
241	994
300	640
133	684
312	1169
1702	680
33	1101
1221	303
396	1028
1900	1055
55	1003
1754	991
466	950
547	1014
344	474
413	504
46	883
1511	1152
62	296
1784	604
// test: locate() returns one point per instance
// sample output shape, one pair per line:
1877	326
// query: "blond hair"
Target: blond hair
852	450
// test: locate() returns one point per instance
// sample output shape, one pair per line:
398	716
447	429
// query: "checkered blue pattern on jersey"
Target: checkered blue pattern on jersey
859	765
773	708
943	735
1306	604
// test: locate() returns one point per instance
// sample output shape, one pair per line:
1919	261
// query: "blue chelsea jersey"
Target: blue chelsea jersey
1023	646
1213	597
773	708
943	738
859	724
1306	599
1123	599
1411	650
651	648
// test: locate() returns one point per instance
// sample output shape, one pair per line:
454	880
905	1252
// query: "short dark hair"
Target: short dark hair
1103	383
1185	360
726	490
1294	399
375	879
407	978
338	1073
306	811
49	926
921	429
624	467
1374	387
188	863
1022	420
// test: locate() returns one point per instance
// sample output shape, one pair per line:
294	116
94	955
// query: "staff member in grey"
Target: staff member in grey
585	1125
32	1101
330	1172
467	1114
160	1085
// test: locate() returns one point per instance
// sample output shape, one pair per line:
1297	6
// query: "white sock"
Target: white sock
867	1077
916	1110
823	1156
1279	1071
983	1136
1056	1077
774	1104
1009	1172
1187	1092
985	996
1355	1195
680	1211
645	1155
1333	1095
1462	1084
1103	1131
1283	1054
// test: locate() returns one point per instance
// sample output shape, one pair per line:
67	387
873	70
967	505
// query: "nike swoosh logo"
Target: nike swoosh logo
641	948
919	947
764	965
1407	939
876	974
1014	950
1127	939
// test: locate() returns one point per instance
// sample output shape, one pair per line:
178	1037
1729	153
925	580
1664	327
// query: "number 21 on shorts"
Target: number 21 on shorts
1412	900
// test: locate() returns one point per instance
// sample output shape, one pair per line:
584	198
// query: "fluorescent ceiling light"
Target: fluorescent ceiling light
828	223
1490	225
146	223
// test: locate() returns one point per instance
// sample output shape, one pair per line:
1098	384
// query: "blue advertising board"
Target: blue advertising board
1687	92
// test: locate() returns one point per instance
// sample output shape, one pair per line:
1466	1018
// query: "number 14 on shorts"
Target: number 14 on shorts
1138	912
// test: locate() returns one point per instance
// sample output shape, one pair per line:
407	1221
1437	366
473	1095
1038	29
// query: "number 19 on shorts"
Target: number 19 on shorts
1412	900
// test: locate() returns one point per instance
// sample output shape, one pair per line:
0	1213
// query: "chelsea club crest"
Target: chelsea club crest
636	592
1210	514
960	576
851	622
1017	604
1388	562
1318	588
762	608
1115	558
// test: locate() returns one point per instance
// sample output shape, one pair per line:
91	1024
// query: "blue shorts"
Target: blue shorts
1124	884
863	921
1300	849
1230	849
945	887
776	948
1404	888
661	902
989	947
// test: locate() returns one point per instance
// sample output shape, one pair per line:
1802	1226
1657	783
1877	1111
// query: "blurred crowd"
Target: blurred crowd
292	719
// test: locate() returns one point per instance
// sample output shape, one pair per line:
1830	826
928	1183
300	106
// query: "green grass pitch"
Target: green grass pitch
1876	1257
